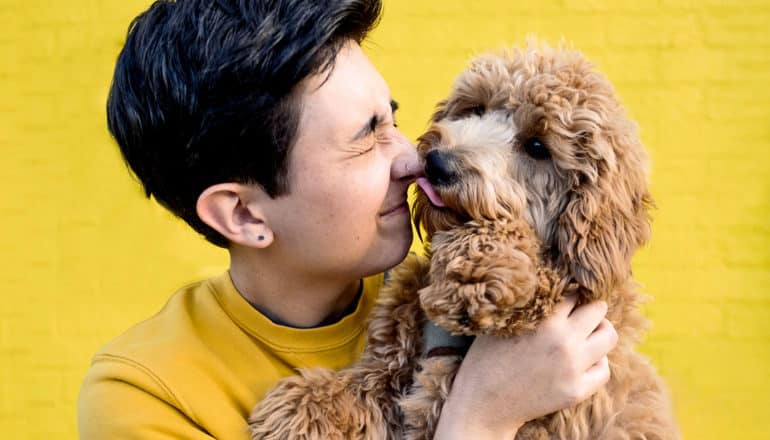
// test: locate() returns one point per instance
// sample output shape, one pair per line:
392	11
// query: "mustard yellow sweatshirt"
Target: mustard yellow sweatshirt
197	368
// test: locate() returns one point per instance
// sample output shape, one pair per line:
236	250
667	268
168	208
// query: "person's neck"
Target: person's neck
290	298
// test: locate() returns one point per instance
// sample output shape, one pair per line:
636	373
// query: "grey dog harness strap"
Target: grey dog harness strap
440	342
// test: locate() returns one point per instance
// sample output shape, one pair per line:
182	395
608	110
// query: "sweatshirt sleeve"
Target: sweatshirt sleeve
121	399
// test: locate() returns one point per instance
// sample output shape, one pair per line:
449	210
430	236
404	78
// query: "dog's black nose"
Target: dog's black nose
438	168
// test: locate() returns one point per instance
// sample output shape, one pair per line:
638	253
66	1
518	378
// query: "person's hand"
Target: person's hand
503	383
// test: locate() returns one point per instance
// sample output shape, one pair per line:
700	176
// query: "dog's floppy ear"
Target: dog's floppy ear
607	216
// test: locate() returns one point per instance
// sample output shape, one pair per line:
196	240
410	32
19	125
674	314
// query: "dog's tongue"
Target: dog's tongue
427	188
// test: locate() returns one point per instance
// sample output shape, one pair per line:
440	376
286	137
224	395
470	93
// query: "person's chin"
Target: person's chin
401	247
394	251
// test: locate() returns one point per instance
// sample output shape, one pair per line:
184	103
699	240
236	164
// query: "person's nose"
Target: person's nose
407	164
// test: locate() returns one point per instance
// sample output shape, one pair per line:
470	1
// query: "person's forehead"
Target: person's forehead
346	96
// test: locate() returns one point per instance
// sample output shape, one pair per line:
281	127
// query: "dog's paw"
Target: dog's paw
483	276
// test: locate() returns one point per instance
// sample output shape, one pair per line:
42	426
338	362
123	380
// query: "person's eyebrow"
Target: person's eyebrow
373	122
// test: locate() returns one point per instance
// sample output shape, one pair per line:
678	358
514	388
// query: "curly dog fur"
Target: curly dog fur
536	186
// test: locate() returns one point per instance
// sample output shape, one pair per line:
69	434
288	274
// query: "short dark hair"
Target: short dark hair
206	91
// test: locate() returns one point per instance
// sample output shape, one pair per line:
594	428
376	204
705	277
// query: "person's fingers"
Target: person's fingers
596	376
585	318
600	342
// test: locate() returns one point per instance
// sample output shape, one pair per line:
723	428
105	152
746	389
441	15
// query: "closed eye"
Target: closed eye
375	121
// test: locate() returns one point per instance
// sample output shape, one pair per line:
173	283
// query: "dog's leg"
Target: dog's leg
359	402
485	278
422	406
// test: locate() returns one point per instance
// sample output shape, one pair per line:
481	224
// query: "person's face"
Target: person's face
346	213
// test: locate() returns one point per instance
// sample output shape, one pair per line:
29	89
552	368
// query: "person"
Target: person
263	125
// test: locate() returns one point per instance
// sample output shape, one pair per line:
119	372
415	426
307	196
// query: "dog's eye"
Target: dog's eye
536	149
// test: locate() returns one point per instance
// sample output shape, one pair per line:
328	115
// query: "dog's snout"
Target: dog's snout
438	168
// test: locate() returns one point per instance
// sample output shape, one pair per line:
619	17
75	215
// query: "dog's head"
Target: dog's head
539	134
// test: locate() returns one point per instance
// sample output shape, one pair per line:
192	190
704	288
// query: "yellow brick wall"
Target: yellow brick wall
85	256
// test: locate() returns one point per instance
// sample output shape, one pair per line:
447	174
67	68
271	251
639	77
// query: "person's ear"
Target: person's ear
236	211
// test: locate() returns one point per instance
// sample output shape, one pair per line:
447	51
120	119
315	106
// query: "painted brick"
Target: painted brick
744	28
703	320
749	321
650	31
606	8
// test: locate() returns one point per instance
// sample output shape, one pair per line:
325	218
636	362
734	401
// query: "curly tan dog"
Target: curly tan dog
535	187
